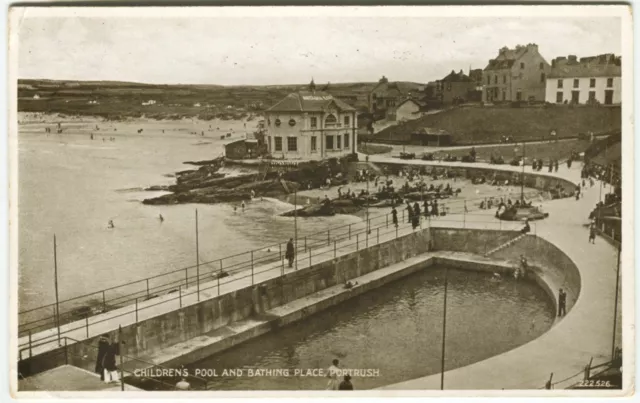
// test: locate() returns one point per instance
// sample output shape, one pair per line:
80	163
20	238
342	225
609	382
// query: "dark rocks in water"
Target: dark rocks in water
156	188
216	162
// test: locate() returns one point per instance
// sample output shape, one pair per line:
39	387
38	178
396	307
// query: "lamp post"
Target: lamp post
522	178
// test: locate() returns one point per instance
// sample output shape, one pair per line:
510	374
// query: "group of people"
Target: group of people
414	212
333	373
106	358
537	165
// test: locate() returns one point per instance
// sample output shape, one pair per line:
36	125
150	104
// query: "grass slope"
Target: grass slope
477	125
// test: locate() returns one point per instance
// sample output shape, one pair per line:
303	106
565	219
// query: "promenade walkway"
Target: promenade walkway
585	332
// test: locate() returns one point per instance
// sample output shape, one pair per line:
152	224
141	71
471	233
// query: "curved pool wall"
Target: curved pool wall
534	180
255	310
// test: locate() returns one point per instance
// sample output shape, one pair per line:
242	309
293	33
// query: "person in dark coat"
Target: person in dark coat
562	303
109	361
394	216
346	384
290	253
435	208
103	346
409	213
425	208
556	165
415	218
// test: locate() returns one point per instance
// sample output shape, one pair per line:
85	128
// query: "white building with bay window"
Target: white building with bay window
311	125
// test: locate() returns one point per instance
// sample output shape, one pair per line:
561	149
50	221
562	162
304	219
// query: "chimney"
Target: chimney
573	58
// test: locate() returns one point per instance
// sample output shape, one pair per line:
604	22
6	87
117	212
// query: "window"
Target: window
314	122
504	79
338	142
278	143
331	120
541	66
519	95
521	66
495	79
559	83
347	120
346	141
292	144
292	122
448	86
592	96
542	77
269	142
576	83
609	82
314	143
559	97
592	83
329	142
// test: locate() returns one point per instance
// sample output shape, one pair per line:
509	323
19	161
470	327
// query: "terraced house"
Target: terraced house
311	125
515	75
595	79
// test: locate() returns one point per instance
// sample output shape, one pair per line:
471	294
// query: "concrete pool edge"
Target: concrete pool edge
565	349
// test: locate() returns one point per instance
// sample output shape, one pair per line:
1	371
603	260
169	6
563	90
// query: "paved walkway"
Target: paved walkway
585	332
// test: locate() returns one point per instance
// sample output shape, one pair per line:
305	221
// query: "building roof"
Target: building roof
415	101
596	66
454	77
507	57
309	101
396	89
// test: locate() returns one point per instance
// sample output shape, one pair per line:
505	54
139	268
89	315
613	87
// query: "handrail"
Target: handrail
233	266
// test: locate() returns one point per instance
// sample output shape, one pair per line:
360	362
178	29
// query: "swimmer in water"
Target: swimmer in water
111	224
161	218
243	205
235	208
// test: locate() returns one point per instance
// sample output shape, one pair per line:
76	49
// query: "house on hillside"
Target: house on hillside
388	95
455	88
408	109
595	79
311	125
516	75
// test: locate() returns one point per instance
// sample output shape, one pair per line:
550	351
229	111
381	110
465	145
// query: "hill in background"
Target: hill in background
477	125
119	100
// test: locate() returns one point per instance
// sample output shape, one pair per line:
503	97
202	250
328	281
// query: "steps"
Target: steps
506	244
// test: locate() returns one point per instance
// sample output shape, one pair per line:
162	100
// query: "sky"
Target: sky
279	49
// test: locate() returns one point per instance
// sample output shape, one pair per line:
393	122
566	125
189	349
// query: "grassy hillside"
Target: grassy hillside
477	125
117	100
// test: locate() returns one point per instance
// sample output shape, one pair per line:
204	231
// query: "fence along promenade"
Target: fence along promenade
190	284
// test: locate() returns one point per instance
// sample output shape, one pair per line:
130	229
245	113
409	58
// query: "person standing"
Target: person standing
394	216
290	253
332	374
109	362
409	213
556	165
103	346
346	384
562	303
592	233
183	385
435	208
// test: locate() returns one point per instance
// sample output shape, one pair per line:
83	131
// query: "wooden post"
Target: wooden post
55	275
30	350
180	294
197	259
309	257
378	236
120	344
334	250
147	288
104	303
251	267
86	318
357	242
328	237
136	309
349	231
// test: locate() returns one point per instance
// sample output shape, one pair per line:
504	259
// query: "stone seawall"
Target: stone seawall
534	180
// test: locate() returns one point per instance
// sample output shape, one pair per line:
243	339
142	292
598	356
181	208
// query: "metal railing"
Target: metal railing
221	272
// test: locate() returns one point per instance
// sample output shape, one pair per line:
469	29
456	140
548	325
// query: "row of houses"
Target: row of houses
515	74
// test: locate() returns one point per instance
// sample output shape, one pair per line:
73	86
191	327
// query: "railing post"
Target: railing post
387	218
219	276
305	243
349	231
147	288
335	252
357	241
464	218
328	237
252	267
180	295
86	318
366	239
30	350
378	235
309	257
66	352
104	302
136	309
396	232
186	278
402	215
